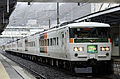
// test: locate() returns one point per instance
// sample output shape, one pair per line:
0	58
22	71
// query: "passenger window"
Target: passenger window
50	41
34	43
62	35
31	44
62	39
54	41
57	41
42	42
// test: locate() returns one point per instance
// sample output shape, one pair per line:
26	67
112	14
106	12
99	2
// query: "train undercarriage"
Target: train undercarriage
91	66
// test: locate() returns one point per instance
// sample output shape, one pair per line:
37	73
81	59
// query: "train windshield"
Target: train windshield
90	33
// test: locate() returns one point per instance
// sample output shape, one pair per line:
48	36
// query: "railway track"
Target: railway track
38	75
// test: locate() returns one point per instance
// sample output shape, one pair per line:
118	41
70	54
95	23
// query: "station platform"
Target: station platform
116	66
10	70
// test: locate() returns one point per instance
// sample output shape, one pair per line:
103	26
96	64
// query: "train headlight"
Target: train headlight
78	49
105	48
102	49
75	49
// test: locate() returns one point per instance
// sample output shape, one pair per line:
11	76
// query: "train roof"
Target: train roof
87	24
74	25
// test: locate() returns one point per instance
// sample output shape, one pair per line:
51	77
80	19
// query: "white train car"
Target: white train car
82	46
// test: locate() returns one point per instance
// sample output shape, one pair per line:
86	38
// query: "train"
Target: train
83	47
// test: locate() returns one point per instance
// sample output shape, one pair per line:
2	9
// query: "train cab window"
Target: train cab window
96	32
99	34
57	41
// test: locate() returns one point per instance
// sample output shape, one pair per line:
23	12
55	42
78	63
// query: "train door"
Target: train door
64	41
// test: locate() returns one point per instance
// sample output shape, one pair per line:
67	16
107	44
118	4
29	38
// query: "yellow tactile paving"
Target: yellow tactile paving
3	73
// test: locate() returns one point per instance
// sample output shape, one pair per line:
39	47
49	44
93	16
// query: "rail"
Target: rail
36	74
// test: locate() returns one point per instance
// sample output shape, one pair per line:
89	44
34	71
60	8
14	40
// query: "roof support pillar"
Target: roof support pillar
119	39
8	6
58	22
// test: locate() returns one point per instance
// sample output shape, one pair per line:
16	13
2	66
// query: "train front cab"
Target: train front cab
90	49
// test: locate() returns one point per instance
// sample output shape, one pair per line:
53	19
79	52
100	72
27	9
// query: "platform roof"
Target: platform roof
110	16
5	12
81	1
